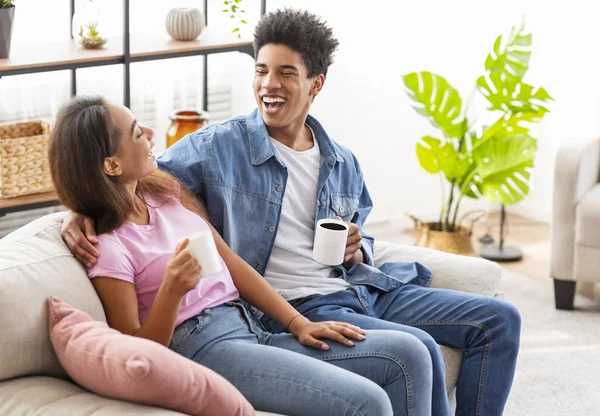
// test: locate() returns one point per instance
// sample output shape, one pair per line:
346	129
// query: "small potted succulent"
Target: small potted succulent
7	14
89	37
86	26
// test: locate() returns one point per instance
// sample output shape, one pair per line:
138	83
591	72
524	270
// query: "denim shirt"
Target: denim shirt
233	168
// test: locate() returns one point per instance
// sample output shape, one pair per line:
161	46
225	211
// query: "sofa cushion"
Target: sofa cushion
47	396
125	367
588	219
449	271
36	264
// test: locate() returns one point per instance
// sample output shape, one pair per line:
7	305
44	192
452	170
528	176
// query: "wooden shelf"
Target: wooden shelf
69	54
33	58
28	202
209	42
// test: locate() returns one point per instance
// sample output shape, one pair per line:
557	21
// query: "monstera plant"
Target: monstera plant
494	161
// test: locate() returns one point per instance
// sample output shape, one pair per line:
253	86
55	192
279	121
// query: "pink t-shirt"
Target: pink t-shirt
139	254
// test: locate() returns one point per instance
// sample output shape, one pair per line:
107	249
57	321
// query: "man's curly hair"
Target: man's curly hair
301	31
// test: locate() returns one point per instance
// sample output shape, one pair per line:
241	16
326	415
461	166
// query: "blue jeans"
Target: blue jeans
487	329
388	373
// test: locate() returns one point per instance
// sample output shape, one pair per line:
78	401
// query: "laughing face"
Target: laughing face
282	88
134	158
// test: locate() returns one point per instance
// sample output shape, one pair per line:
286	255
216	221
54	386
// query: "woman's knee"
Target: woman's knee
407	351
376	400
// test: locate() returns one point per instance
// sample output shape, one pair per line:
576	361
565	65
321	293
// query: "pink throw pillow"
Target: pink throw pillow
119	366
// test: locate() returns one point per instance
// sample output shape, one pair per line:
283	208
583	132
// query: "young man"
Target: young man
268	177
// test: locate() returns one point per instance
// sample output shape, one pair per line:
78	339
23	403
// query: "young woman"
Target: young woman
103	167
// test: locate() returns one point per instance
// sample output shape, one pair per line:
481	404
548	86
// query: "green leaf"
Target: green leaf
510	56
237	29
225	10
225	2
231	17
508	125
510	95
234	8
504	167
244	22
427	150
437	100
434	156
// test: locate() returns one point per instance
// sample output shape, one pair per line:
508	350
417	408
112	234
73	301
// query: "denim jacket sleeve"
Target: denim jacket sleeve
187	160
365	205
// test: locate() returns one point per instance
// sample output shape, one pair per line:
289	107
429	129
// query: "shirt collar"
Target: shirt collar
261	148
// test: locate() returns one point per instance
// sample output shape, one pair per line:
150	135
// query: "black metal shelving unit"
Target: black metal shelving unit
126	58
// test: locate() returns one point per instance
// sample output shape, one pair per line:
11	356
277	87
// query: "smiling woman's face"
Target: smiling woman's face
134	158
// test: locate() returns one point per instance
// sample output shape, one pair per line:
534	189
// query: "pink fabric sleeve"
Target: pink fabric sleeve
114	261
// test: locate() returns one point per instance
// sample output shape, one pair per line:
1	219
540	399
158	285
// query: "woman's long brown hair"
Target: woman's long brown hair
83	136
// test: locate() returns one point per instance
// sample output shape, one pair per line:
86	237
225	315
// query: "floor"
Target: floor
557	368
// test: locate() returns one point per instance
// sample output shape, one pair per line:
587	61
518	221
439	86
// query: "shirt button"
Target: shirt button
341	209
279	188
271	228
259	268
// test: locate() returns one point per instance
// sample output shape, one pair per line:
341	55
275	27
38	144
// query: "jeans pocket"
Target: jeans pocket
184	333
254	324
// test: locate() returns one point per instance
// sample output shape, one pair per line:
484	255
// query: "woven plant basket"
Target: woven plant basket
24	166
428	234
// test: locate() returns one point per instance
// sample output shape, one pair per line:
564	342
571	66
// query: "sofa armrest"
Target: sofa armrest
577	170
450	271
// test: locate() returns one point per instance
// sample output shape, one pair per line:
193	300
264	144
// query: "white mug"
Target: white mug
330	242
202	246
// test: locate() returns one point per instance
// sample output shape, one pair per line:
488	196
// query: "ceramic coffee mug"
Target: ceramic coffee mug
202	246
330	241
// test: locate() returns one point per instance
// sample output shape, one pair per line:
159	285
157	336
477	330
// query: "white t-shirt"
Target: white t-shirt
291	269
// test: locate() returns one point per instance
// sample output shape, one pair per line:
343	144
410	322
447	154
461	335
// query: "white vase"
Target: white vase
184	23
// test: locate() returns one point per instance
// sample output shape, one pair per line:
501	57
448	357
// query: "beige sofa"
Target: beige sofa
575	219
35	263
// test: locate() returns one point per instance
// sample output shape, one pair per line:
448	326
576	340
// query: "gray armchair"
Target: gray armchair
575	254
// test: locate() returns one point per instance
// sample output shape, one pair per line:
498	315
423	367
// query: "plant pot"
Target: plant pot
185	122
428	234
93	44
6	24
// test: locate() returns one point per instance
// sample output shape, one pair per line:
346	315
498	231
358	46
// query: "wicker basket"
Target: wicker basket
24	166
456	242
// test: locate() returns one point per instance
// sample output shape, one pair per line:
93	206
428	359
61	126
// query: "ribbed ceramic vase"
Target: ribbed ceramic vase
184	23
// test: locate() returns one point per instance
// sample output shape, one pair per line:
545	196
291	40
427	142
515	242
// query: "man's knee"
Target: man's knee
506	321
